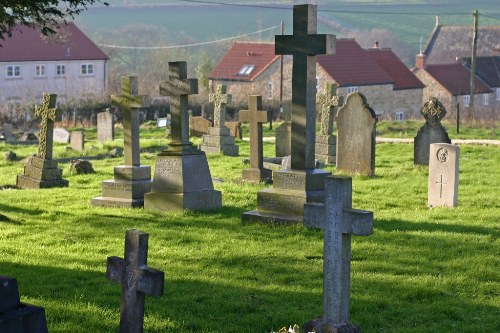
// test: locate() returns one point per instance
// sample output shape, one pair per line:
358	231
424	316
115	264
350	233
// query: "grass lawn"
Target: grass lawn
423	270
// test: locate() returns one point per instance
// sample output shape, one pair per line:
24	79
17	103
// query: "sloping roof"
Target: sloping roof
488	69
257	54
456	79
449	42
28	44
397	70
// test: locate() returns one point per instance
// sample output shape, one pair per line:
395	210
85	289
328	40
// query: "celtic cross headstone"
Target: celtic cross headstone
47	112
328	103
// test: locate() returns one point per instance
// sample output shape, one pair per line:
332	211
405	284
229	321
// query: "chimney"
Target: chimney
376	45
437	20
420	61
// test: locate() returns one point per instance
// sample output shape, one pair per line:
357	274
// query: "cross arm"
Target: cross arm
115	269
310	45
244	116
361	222
179	87
150	281
314	215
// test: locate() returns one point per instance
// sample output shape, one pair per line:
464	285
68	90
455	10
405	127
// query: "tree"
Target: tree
44	14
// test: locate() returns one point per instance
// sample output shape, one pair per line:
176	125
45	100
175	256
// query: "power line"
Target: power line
185	45
490	17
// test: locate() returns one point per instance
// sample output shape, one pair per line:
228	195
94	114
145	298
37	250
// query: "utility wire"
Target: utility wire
186	45
490	17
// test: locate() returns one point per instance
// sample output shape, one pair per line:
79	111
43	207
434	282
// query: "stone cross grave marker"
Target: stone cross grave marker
304	45
178	87
443	175
136	278
46	111
220	98
339	222
105	126
131	102
255	117
325	140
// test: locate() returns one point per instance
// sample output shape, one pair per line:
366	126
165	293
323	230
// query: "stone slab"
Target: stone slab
197	200
33	172
77	140
284	139
273	218
24	319
9	293
443	175
105	126
325	149
61	135
228	150
326	139
41	163
256	174
7	132
309	180
25	182
128	172
217	140
222	131
117	202
126	189
286	202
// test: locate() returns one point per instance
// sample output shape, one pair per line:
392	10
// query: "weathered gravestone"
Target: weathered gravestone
218	140
7	132
28	137
284	132
41	171
234	129
443	175
199	125
356	130
339	221
432	131
325	140
137	280
284	203
17	317
61	135
182	177
131	180
77	140
105	126
255	117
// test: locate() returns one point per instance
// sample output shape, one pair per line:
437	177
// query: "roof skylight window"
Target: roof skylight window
246	69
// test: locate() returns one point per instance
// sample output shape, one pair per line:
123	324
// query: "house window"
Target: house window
246	69
60	70
269	90
466	100
498	94
87	69
399	116
486	99
351	90
13	71
40	70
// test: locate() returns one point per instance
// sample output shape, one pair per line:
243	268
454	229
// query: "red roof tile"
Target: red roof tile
456	79
352	66
28	44
397	70
260	55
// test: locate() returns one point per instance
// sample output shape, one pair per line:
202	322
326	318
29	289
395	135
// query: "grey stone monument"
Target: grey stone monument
17	317
137	280
41	171
292	188
219	140
443	175
61	135
339	222
77	141
432	131
131	180
182	177
255	117
325	140
284	132
7	133
105	126
356	130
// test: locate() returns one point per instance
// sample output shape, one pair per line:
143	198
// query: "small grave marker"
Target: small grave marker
105	126
137	280
443	175
61	135
78	140
7	132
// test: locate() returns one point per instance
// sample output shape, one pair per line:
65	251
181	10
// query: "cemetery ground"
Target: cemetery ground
422	270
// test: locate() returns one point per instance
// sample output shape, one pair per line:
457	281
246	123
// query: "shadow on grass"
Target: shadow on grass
14	209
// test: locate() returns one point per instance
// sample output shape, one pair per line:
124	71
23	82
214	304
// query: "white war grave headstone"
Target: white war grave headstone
443	175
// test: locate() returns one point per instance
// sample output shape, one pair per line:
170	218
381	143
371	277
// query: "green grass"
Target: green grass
423	270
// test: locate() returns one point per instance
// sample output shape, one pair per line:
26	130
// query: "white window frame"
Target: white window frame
84	69
246	70
399	116
352	89
498	94
15	71
270	87
486	99
60	70
466	100
40	71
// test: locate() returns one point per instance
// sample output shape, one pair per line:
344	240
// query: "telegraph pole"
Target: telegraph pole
473	64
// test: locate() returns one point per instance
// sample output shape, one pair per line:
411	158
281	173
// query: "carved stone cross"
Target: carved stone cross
220	99
46	111
129	101
328	102
304	45
137	280
177	88
255	117
339	221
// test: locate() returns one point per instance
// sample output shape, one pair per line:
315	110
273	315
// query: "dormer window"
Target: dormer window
246	69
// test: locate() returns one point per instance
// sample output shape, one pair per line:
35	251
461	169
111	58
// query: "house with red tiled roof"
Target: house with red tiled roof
391	89
68	64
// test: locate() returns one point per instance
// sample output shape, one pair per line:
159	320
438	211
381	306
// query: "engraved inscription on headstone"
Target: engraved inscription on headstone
443	175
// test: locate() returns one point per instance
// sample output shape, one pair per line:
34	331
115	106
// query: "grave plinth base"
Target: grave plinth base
218	140
321	325
41	173
326	146
127	189
284	202
182	182
256	174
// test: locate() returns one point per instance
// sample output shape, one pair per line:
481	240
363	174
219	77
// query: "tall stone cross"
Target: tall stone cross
339	221
328	102
255	117
177	88
304	45
130	101
46	111
137	280
220	98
